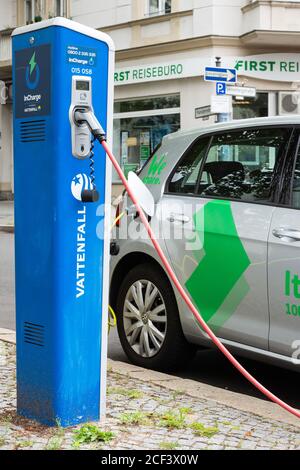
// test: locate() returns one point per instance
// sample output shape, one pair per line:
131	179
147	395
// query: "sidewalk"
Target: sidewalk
7	216
145	410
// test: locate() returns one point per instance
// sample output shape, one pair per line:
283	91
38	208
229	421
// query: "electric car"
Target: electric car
227	216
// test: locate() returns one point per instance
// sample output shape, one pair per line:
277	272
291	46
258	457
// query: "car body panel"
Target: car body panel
233	301
284	289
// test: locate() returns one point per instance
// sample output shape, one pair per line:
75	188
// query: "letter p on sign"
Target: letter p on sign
221	88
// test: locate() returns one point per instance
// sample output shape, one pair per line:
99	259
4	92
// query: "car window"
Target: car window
185	176
243	164
296	183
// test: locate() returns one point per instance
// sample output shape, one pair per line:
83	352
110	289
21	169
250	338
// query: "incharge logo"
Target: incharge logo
32	73
30	97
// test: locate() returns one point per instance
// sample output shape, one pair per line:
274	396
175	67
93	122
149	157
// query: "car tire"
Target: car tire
166	354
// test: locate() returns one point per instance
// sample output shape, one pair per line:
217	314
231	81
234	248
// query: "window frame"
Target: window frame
29	21
194	143
62	9
36	11
161	8
276	197
288	177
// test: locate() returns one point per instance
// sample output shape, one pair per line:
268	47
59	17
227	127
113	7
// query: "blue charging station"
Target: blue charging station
61	243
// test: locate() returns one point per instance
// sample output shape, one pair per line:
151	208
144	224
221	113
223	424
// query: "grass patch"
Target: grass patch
175	420
2	441
186	410
22	444
54	443
136	418
201	430
89	433
129	393
176	394
168	445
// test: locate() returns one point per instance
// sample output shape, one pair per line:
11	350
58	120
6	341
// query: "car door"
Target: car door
216	229
284	263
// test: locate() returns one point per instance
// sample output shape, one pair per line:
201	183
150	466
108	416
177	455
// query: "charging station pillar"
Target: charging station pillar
61	243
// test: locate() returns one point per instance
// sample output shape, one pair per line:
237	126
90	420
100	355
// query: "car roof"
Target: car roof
236	124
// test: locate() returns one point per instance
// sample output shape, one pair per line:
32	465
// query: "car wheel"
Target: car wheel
148	320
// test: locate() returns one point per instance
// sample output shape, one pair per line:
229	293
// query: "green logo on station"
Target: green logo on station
32	63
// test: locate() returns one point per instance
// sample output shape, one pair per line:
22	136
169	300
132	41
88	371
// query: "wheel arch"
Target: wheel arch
124	266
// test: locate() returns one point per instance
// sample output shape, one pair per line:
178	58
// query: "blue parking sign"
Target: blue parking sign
221	88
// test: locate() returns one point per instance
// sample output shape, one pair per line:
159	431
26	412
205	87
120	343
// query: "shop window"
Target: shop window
251	108
159	7
140	125
146	104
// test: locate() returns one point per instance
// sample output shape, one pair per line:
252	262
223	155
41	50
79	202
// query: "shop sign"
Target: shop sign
278	67
149	73
284	67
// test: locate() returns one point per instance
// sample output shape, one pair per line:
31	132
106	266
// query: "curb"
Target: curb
245	403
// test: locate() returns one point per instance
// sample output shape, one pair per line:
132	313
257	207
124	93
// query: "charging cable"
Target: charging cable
99	134
112	318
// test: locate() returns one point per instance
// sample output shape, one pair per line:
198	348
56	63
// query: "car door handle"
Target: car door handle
291	233
184	219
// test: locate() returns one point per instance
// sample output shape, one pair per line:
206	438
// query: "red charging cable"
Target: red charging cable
187	300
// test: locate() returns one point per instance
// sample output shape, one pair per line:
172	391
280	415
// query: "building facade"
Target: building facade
162	48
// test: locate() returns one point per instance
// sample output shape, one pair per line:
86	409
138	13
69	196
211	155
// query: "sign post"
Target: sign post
221	104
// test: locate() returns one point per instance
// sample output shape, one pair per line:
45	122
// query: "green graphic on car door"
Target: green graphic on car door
217	286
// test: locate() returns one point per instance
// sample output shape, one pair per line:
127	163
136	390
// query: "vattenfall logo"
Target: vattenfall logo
32	73
79	183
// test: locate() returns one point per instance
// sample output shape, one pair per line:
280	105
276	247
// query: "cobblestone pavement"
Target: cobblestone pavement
142	416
